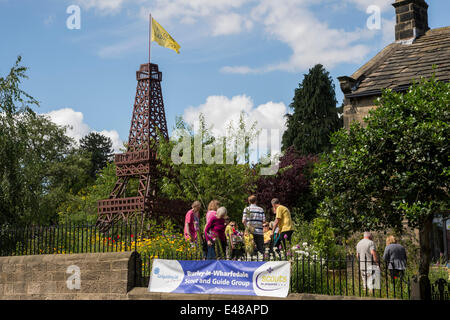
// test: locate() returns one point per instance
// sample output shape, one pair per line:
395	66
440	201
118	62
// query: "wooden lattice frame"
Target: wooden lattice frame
140	160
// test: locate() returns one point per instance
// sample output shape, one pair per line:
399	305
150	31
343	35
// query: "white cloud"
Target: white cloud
294	23
239	70
78	128
226	24
220	111
311	40
166	10
117	144
102	6
364	4
219	17
68	117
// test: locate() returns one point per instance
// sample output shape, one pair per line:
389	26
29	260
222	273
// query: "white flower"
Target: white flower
305	244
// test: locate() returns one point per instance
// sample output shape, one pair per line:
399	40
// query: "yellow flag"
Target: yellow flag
163	38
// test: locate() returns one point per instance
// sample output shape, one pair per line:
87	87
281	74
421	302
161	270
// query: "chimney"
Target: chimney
412	19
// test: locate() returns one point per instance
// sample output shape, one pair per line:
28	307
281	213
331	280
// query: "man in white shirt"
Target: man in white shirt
253	218
366	253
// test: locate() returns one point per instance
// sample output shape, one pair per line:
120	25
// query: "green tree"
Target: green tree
100	149
37	168
38	165
396	170
315	116
230	183
14	100
81	207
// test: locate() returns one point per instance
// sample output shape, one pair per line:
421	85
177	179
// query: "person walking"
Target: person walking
283	222
192	222
367	256
215	234
253	219
395	257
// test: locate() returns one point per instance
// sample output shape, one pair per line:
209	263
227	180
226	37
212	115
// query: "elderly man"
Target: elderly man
366	253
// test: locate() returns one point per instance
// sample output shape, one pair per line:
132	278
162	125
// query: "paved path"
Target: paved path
143	294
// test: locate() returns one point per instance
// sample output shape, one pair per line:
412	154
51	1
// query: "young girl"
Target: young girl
249	243
212	209
235	241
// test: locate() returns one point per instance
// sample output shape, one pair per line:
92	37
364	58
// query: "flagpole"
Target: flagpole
149	43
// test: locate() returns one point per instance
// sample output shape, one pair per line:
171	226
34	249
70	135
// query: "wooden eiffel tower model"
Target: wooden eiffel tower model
140	159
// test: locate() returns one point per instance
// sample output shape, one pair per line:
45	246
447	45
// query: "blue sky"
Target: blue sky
236	55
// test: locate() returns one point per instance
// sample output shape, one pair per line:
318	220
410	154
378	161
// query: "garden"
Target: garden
390	176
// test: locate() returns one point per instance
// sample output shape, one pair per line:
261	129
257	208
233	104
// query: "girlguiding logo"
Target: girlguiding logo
166	276
272	279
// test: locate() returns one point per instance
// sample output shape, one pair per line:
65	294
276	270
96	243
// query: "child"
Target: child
235	240
267	234
249	243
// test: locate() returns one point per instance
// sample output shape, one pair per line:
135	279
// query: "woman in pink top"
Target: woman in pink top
215	231
192	222
212	209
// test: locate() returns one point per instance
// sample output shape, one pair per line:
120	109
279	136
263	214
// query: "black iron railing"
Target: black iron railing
344	276
66	239
309	274
440	289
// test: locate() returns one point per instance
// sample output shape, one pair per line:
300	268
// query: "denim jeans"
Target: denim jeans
210	253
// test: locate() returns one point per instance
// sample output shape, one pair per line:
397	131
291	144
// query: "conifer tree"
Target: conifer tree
100	149
315	115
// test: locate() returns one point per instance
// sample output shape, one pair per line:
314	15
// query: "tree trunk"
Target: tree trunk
425	258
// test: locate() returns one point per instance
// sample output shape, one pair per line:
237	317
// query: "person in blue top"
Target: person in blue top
395	257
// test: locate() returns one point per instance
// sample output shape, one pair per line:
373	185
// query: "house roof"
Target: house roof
398	64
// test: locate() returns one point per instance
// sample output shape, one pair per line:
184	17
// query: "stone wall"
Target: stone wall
356	109
101	276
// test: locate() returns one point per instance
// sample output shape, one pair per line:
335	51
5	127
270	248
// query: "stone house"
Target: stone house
411	56
415	50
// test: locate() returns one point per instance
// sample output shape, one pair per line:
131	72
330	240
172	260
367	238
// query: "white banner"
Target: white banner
270	279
